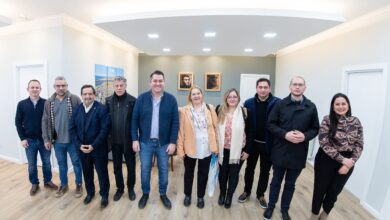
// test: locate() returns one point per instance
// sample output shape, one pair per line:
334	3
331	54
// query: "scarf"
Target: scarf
69	106
236	144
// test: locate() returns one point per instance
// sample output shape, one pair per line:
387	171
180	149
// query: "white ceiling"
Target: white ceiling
181	24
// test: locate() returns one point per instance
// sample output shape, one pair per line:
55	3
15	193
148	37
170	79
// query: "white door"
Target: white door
25	73
248	85
366	86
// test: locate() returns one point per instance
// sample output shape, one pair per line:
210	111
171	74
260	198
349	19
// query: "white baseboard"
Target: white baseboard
371	210
11	159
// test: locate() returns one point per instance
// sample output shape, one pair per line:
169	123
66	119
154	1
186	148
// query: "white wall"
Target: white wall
42	44
322	63
70	48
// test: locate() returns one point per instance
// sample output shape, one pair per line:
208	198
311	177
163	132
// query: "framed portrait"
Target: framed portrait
185	80
212	81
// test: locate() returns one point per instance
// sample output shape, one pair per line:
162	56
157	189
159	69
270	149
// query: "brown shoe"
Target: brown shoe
61	191
51	185
34	189
79	191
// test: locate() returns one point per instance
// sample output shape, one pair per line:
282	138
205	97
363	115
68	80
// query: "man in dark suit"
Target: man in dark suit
120	105
89	128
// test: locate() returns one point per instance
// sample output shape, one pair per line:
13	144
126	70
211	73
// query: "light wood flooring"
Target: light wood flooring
16	203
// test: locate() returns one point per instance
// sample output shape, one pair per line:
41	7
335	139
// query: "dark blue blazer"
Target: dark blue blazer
92	130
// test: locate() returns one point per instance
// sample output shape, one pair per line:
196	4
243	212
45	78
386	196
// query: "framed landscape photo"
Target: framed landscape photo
185	80
212	81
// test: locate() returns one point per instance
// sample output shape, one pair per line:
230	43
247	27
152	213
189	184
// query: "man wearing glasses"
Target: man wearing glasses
293	122
55	131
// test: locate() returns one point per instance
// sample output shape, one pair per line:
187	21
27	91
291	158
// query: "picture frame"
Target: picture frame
185	80
212	81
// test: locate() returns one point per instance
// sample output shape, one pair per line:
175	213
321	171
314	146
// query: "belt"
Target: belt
261	142
153	139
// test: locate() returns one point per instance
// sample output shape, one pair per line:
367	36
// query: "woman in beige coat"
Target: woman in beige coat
196	142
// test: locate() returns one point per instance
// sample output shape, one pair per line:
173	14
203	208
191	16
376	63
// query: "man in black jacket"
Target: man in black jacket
293	122
120	106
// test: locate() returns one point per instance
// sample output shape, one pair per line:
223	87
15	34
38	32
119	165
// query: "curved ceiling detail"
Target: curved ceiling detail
182	31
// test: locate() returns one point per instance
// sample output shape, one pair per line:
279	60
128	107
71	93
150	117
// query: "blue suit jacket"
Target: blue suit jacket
91	131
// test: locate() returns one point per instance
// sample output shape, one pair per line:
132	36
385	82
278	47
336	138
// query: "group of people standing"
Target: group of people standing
275	130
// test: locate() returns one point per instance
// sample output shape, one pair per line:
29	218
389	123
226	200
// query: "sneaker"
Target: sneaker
285	215
51	185
243	197
34	189
268	214
263	203
61	191
79	191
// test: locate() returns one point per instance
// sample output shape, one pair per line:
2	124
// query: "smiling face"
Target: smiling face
340	106
232	99
196	96
34	89
157	83
88	96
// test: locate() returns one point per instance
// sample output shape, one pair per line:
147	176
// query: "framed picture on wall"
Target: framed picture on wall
185	80
212	81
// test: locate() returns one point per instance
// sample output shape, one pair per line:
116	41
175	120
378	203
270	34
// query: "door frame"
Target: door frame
17	67
368	68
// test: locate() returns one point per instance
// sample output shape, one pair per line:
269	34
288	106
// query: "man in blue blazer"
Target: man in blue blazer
89	129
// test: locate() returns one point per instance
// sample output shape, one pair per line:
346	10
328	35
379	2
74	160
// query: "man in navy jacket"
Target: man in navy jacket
154	129
89	129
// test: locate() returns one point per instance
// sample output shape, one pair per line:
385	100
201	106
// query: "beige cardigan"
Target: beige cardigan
186	139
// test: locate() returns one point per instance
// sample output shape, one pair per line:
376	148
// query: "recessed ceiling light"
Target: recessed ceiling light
206	49
166	49
153	36
270	35
209	34
248	50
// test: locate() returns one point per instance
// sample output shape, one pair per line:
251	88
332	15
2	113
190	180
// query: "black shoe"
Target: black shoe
166	202
142	202
200	203
243	197
88	199
187	201
228	201
285	215
221	199
131	194
118	194
104	203
268	214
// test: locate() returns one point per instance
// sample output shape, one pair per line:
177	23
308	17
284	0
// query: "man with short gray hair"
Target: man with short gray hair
120	106
55	131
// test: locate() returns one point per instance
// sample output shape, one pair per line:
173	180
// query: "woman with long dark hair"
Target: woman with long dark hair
341	144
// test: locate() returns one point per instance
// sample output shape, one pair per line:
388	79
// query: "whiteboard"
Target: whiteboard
248	85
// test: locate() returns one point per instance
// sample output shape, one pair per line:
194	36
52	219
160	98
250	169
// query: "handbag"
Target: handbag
213	174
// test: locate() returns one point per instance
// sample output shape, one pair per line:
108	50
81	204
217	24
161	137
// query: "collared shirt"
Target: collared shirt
154	132
87	108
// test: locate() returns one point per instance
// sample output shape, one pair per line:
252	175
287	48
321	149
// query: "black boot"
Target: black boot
228	200
221	198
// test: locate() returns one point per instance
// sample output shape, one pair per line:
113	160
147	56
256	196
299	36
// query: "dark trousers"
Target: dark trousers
328	183
290	176
228	174
258	149
117	157
203	174
88	161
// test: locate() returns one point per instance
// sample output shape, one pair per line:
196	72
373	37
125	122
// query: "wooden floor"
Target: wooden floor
16	203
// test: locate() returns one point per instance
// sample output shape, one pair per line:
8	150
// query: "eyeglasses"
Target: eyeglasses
298	84
232	97
61	86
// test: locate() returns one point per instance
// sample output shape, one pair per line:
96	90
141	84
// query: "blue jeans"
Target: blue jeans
148	149
61	150
289	186
35	146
